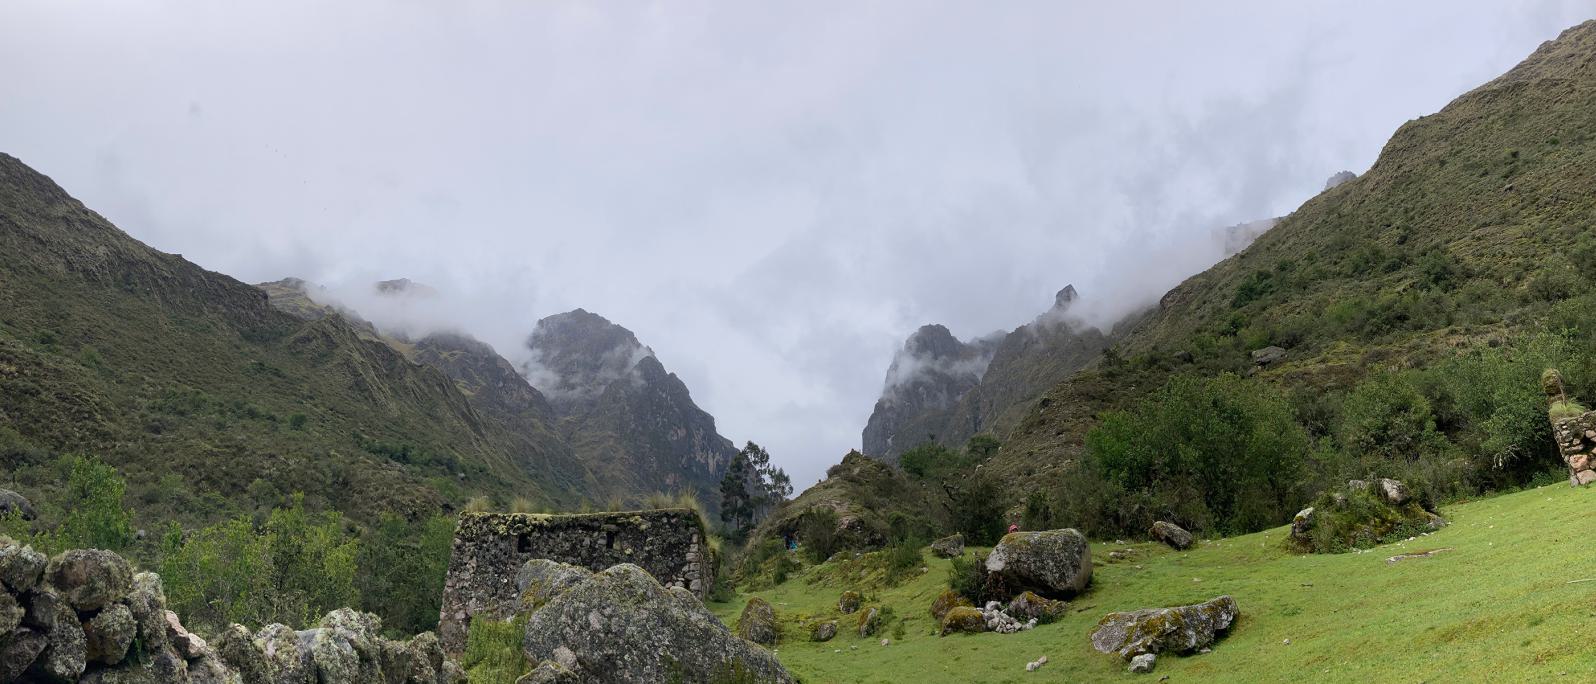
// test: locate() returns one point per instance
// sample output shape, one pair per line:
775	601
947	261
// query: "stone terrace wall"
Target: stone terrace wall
490	548
1576	440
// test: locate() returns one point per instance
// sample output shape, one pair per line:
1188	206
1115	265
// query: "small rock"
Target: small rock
950	546
885	642
1393	491
1143	663
1174	535
187	644
824	631
869	620
1267	355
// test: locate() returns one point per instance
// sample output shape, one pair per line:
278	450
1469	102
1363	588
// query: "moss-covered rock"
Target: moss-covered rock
90	578
946	601
108	635
1174	535
758	622
967	619
849	602
1054	563
823	630
951	546
1182	629
1365	514
869	621
1030	606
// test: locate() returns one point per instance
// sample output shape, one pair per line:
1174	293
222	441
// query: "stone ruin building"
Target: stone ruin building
1575	434
490	548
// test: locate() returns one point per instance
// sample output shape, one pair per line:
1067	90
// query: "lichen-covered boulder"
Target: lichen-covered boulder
621	625
89	579
209	669
946	601
869	621
1302	524
951	546
1174	535
758	622
1181	629
18	649
64	656
967	619
1030	606
849	602
1053	563
14	503
823	631
10	613
236	647
286	661
108	635
20	566
346	647
541	579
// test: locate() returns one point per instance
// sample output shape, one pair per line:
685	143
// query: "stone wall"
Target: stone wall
1575	434
1576	440
490	548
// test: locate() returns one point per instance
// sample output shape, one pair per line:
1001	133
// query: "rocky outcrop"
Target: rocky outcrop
1174	535
929	374
1575	432
1362	515
951	546
1053	563
84	617
488	569
1182	629
621	625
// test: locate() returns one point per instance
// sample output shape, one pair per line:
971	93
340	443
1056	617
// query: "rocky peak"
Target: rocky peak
575	355
1065	298
1339	178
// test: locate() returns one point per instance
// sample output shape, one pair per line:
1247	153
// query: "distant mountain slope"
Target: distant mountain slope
634	422
1475	222
940	389
167	370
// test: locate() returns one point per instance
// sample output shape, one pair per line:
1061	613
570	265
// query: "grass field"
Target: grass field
1502	603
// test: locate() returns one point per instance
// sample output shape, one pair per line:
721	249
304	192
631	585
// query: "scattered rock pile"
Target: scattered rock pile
84	616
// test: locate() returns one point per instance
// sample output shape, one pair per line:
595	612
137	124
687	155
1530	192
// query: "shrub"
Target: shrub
976	510
402	565
95	517
817	534
967	577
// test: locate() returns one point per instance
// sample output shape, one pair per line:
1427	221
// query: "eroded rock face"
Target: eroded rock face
1174	535
1182	629
951	546
1053	563
758	622
621	625
18	649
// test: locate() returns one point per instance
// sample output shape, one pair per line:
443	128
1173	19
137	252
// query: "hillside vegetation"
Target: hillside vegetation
1414	307
1499	600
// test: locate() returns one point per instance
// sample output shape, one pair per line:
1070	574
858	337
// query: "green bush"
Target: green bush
402	565
817	534
967	577
976	509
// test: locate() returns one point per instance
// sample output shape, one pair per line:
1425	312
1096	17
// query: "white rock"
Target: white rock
1143	663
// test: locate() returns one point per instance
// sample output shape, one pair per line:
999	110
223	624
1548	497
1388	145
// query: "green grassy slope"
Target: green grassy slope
1499	605
1474	224
207	399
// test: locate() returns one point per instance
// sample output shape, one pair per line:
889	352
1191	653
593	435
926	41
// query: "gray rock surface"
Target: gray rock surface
621	625
1143	663
824	631
1181	629
1174	535
18	649
1393	491
951	546
1268	355
108	635
758	622
90	578
1053	563
20	566
14	503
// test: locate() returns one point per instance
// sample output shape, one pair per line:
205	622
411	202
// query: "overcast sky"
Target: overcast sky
771	195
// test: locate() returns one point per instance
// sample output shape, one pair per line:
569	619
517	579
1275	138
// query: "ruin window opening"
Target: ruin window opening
523	543
609	540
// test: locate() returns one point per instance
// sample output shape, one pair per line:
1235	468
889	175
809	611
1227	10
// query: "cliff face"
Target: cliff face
630	419
943	390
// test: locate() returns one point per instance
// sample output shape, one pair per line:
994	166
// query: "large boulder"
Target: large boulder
951	546
20	566
1053	563
1174	535
758	622
621	625
541	579
89	579
12	503
1182	629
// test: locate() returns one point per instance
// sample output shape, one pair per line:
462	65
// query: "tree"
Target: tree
751	489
